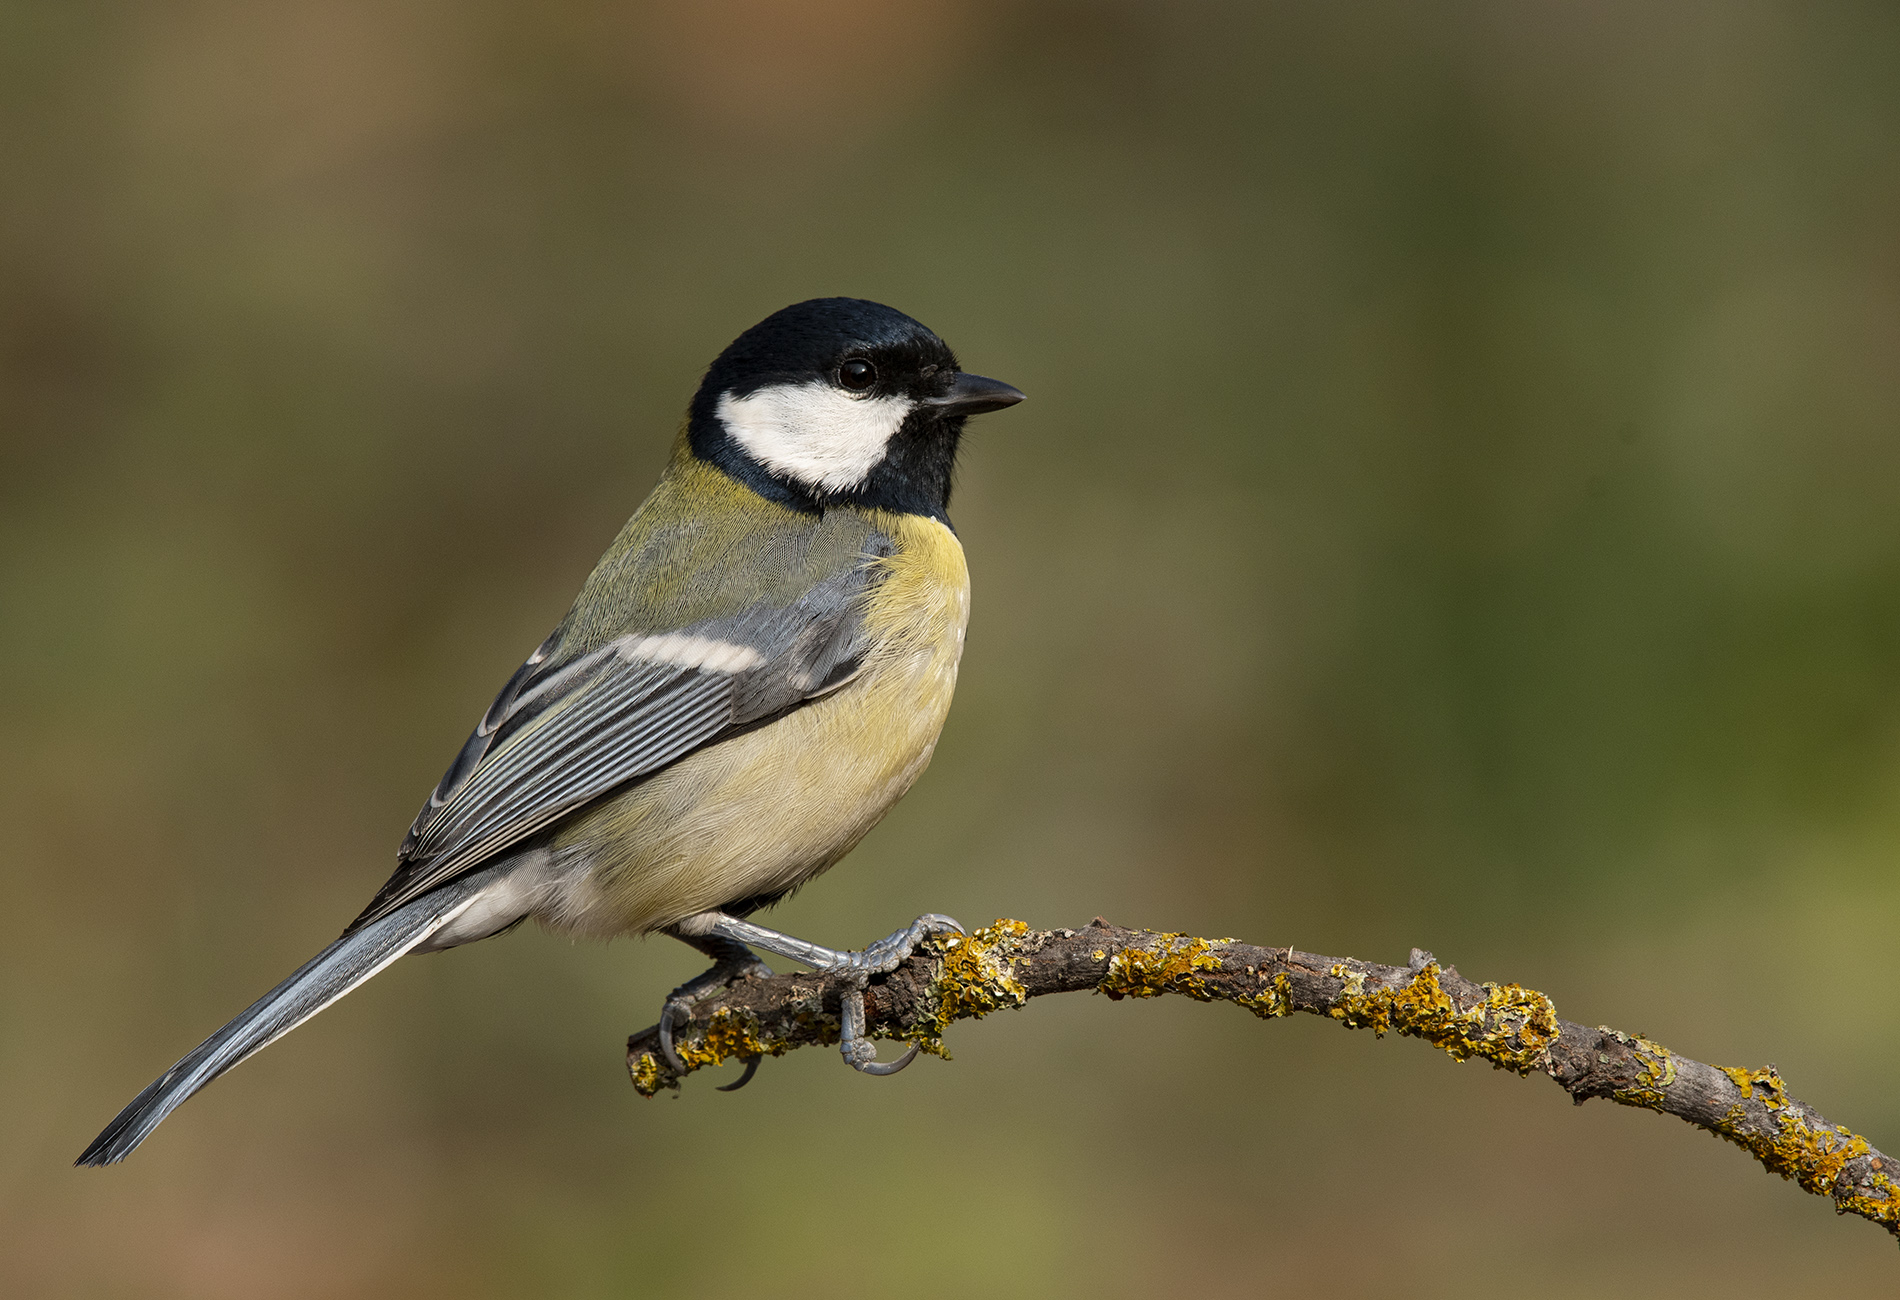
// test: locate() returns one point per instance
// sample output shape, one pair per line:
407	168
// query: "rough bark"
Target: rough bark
1514	1028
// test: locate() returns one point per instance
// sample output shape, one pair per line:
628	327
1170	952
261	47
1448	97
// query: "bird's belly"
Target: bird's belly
757	814
764	811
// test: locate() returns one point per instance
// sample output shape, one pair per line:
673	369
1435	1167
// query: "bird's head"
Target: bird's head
840	401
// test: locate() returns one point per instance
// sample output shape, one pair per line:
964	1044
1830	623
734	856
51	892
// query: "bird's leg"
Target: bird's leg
732	960
879	958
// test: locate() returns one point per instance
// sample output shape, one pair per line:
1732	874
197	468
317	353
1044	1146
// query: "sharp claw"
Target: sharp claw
858	1051
733	962
882	1067
751	1068
673	1062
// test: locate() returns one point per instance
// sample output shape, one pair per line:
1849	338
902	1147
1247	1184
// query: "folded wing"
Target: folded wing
569	728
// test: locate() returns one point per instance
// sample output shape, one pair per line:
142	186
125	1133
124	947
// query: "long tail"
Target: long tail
320	981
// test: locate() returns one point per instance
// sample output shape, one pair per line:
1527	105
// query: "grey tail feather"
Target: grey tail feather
323	979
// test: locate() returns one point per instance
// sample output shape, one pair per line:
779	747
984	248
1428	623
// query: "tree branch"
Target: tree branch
1514	1028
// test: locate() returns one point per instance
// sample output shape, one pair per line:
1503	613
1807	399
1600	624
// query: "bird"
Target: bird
755	671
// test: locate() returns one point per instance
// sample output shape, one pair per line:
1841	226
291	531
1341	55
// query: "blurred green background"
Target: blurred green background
1459	505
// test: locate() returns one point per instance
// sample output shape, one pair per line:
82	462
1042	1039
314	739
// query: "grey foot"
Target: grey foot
860	1053
732	961
879	958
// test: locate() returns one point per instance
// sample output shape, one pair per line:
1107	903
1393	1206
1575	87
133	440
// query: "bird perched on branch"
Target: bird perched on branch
756	670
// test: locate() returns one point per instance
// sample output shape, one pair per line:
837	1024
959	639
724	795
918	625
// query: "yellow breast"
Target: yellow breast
767	810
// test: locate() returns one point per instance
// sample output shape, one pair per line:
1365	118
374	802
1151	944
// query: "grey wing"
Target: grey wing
566	730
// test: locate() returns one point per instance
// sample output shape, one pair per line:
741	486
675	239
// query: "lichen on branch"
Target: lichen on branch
1005	964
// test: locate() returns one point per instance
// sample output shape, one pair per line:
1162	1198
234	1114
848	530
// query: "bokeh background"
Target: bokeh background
1459	505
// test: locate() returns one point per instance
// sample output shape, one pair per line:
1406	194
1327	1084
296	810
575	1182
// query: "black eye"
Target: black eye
857	374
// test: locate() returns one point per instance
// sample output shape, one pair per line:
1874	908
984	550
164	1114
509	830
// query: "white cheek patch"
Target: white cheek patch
679	650
817	434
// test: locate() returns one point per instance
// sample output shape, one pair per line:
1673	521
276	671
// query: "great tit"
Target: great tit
756	670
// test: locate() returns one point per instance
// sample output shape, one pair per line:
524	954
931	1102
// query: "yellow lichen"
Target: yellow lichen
1774	1095
1171	965
1355	981
648	1077
1274	1000
1811	1155
1884	1208
1658	1065
1422	1009
730	1033
973	979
